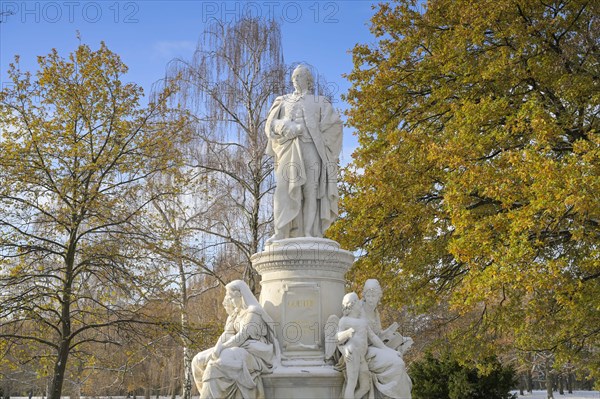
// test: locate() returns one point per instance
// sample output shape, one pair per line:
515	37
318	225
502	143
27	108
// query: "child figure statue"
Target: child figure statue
353	337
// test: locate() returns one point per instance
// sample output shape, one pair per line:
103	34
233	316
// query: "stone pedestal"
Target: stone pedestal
312	382
303	284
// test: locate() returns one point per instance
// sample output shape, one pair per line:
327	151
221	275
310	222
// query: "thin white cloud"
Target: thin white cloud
175	48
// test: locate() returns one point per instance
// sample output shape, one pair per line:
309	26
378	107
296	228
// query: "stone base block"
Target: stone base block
303	284
313	382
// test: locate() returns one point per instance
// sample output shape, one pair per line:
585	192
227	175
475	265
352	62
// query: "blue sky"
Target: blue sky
149	33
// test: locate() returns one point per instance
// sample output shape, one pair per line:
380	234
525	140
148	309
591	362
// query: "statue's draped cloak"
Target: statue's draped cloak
325	129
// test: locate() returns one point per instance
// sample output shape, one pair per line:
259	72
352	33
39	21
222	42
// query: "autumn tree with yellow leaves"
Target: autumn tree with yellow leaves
477	180
79	152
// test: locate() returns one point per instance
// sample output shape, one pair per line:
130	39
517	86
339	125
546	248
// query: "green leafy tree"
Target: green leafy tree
78	151
477	177
446	378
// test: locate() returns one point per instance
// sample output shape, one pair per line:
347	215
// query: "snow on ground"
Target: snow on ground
574	395
534	395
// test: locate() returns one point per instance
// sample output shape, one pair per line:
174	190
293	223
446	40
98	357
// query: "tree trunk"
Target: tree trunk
187	374
529	381
561	384
549	381
174	380
64	347
522	384
549	391
250	275
48	387
76	394
185	331
59	370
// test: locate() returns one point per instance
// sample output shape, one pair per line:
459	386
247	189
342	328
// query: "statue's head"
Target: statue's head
235	296
302	79
228	304
350	304
372	292
240	294
235	290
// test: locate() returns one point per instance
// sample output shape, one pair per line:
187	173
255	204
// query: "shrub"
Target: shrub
446	378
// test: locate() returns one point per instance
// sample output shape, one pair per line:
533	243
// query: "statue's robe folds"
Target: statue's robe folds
324	126
236	373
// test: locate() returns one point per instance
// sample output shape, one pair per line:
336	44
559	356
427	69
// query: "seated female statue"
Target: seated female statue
245	350
386	365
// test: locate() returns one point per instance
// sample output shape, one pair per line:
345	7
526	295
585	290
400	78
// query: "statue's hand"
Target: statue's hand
299	127
292	130
216	351
284	130
345	335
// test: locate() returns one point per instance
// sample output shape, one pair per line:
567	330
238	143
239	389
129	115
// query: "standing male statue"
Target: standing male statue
305	137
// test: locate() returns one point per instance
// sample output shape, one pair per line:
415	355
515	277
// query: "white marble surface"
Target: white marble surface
385	363
372	293
245	351
303	282
353	338
303	382
304	134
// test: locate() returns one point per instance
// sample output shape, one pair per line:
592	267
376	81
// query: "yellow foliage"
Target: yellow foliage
78	150
477	179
